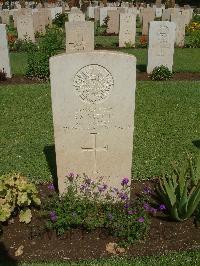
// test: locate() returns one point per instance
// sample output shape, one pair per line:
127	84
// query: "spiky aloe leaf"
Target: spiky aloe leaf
164	197
170	192
182	208
193	201
174	213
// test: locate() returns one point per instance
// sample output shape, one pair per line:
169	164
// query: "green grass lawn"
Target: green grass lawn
172	259
185	60
166	125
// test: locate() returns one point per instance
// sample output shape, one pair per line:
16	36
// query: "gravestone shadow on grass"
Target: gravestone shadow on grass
141	68
50	155
196	143
5	258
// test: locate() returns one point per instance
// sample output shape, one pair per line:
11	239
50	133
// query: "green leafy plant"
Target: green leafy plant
3	75
22	45
100	30
17	195
38	59
181	192
90	204
60	20
161	73
194	39
129	45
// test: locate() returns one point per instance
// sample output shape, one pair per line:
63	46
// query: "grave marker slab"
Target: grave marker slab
93	100
127	29
4	54
179	20
79	36
161	44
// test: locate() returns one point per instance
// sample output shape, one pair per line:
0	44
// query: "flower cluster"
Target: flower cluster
193	27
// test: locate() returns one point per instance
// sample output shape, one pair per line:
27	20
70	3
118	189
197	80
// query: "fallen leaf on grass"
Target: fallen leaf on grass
19	251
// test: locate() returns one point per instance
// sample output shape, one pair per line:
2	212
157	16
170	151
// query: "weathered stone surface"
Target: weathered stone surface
179	20
113	22
79	36
5	16
41	19
166	15
76	16
127	29
161	44
97	13
4	54
103	15
93	100
25	27
148	15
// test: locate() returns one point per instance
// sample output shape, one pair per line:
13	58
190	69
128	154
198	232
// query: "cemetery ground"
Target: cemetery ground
166	130
185	67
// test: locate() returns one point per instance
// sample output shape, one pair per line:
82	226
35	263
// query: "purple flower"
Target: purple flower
102	188
51	187
123	196
53	216
110	217
130	212
71	177
162	207
141	220
146	206
125	181
82	187
147	190
126	206
153	210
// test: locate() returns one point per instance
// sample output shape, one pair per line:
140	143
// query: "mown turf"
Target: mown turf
166	127
171	259
185	60
18	63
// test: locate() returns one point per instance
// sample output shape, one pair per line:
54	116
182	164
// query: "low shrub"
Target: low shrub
3	75
92	204
17	195
161	73
180	192
194	39
143	41
60	20
38	59
100	30
18	45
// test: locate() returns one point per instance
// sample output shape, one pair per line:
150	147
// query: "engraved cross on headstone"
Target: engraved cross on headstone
94	149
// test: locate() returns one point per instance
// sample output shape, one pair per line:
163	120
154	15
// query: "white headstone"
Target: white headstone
76	16
93	100
4	54
127	29
25	28
179	20
103	15
161	44
79	36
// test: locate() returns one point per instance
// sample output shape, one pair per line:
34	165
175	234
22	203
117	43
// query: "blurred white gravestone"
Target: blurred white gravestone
179	20
4	54
93	100
161	44
25	28
127	29
79	36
